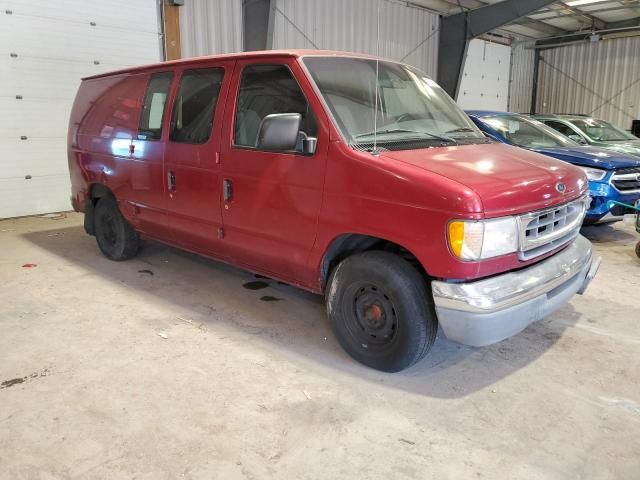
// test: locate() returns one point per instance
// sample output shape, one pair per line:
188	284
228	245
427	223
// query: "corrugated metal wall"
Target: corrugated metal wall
407	33
521	81
209	27
600	79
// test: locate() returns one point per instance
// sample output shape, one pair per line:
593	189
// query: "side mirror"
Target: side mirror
279	132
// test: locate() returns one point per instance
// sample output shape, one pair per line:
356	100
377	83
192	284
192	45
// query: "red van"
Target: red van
342	174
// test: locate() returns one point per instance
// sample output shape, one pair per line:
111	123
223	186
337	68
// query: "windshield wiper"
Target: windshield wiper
460	130
403	130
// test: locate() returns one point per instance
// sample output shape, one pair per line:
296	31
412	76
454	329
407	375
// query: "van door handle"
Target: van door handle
227	190
171	180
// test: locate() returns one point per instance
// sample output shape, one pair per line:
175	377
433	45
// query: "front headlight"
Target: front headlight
477	240
594	173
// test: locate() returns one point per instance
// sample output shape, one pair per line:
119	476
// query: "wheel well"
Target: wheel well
96	192
349	244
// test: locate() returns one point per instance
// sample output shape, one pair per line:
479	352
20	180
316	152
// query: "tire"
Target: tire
116	239
638	249
381	310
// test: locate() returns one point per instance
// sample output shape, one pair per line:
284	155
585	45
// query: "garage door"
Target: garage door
45	48
485	78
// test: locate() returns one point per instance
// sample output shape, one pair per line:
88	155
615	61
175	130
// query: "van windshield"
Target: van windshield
411	111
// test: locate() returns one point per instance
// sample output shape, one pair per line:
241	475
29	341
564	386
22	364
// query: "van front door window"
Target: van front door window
265	90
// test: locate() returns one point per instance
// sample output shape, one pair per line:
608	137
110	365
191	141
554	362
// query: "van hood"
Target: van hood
508	180
591	157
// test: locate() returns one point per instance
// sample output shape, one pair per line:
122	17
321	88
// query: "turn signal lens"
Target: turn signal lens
456	237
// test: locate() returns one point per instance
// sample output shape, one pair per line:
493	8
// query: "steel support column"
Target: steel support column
534	87
456	31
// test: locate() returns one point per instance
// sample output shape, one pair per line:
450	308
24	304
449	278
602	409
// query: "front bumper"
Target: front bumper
486	311
601	193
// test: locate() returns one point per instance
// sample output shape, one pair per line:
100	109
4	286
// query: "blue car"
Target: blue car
612	175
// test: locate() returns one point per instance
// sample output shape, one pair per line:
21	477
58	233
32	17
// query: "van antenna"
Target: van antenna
375	110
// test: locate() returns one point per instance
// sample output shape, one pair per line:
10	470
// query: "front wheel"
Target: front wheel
381	311
116	239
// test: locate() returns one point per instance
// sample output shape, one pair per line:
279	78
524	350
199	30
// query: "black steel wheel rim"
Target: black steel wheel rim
370	316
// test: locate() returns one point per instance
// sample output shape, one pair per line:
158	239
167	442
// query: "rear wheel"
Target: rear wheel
116	239
381	311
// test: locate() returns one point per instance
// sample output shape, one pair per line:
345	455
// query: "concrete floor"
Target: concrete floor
166	367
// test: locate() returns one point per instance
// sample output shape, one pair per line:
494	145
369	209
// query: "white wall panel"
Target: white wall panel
485	76
35	195
521	82
209	27
407	33
54	45
600	79
40	151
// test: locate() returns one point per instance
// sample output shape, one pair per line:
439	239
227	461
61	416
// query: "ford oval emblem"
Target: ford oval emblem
560	187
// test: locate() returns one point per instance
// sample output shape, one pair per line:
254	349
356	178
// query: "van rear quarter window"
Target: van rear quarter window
194	108
153	107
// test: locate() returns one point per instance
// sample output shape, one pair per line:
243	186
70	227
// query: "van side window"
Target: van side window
267	89
195	105
155	98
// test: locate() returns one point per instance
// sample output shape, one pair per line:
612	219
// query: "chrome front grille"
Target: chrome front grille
626	179
544	230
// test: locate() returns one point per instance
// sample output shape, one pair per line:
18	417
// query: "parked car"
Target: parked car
590	131
612	175
341	174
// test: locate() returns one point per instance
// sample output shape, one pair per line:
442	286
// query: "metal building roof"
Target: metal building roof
558	18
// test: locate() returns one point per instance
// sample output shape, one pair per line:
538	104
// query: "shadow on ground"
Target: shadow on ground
605	233
288	318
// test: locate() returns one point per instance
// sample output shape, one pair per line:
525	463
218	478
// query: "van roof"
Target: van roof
233	56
